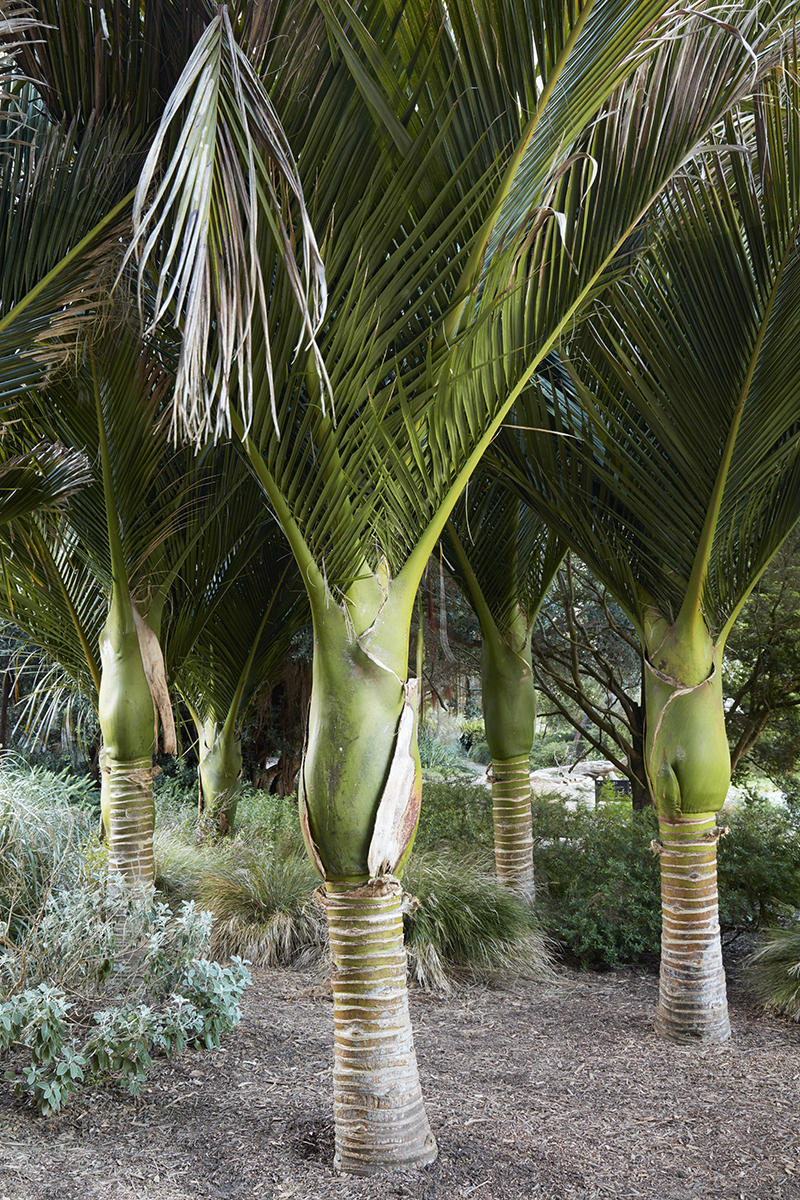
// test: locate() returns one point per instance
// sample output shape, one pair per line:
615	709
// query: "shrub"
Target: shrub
758	863
165	994
44	833
472	732
551	751
438	753
598	882
455	810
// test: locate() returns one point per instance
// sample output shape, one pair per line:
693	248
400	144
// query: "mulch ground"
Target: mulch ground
551	1091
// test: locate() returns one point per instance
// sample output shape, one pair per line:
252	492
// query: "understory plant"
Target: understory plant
599	893
457	920
140	970
773	971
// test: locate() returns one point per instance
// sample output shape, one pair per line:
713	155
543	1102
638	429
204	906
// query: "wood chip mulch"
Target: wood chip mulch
549	1091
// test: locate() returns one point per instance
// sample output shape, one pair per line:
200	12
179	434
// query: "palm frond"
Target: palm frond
680	467
202	226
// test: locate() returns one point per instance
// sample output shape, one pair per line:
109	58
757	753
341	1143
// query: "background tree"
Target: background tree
587	662
505	559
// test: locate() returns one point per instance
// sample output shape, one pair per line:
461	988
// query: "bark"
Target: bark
129	816
509	713
378	1108
513	826
692	1004
127	721
9	675
689	769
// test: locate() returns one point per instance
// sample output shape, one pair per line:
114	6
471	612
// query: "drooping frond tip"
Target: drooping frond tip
201	216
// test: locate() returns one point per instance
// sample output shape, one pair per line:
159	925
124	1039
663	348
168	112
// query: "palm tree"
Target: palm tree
678	478
231	632
461	235
79	134
505	559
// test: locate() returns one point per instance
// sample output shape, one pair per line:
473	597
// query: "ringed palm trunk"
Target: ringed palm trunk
127	723
360	791
509	713
689	767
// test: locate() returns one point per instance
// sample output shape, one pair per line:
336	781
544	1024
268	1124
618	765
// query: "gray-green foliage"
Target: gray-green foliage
45	826
149	967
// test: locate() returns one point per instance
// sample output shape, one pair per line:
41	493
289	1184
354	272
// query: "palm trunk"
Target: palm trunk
509	713
129	816
127	723
513	826
359	797
219	771
689	769
692	1004
378	1108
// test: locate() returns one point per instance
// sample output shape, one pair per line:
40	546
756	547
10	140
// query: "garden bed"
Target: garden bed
533	1090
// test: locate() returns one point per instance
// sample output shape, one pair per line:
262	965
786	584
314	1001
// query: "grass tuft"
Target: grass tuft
773	971
265	909
467	924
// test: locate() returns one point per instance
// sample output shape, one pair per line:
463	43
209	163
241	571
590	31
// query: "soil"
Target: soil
551	1091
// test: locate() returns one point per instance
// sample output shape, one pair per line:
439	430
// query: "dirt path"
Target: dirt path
546	1091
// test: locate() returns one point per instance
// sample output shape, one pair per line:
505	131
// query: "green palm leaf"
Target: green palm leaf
680	476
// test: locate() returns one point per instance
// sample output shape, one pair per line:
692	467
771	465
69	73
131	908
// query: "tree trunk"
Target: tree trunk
219	771
127	722
692	1004
378	1108
509	714
126	799
359	798
688	764
641	796
513	826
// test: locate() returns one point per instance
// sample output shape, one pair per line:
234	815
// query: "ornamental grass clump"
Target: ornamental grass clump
461	922
773	971
264	908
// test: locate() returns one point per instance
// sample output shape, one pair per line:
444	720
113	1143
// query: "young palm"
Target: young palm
231	632
433	194
505	558
678	477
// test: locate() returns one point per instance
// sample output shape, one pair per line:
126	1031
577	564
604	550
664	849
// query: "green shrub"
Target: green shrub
598	882
480	753
263	818
758	863
472	732
438	753
550	751
45	833
455	810
773	971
